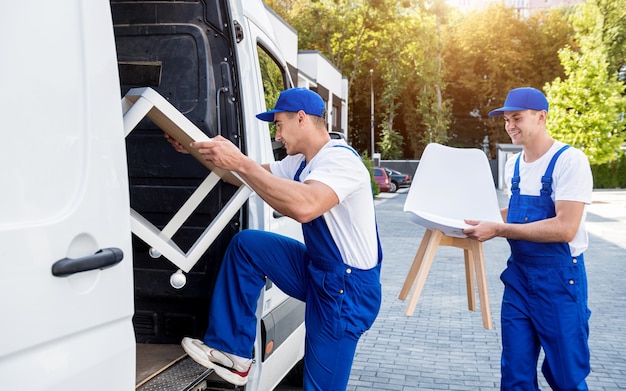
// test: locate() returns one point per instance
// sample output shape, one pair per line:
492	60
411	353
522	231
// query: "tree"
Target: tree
587	106
434	110
339	29
437	73
612	30
345	31
489	52
404	55
390	144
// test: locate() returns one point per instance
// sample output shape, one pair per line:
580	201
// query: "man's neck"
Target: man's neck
316	145
534	151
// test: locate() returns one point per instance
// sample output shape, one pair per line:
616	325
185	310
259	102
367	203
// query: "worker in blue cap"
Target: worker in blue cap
323	184
545	284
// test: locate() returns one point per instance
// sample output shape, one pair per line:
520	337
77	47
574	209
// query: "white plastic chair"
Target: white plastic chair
450	185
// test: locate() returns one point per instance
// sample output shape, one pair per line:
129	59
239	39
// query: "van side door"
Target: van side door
66	290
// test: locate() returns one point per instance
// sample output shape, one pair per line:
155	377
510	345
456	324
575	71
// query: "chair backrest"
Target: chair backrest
450	185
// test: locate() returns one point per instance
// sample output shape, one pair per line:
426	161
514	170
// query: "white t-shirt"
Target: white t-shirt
571	181
352	222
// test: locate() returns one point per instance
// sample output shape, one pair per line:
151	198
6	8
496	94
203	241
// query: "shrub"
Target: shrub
370	165
611	175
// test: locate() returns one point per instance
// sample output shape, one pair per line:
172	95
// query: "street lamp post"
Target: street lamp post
372	110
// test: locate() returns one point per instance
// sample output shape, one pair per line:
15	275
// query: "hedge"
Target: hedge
610	175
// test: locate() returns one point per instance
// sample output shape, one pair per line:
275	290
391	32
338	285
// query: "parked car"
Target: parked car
381	177
398	179
337	135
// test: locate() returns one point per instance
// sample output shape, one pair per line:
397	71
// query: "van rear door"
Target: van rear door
66	290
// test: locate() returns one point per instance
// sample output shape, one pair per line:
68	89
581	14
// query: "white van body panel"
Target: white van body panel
65	195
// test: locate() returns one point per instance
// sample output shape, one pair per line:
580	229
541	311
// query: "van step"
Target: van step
184	375
187	375
166	367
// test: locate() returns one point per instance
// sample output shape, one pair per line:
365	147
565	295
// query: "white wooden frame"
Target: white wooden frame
146	102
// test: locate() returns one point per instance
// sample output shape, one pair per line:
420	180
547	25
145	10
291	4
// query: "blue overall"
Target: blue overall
544	302
341	301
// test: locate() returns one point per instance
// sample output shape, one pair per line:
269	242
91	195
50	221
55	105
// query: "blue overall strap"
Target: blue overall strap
319	226
349	149
515	179
546	179
380	248
302	165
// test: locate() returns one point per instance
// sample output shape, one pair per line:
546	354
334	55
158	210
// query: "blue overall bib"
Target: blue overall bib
544	302
342	301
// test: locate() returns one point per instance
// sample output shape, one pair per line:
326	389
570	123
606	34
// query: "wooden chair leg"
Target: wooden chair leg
481	277
469	280
475	272
427	261
415	266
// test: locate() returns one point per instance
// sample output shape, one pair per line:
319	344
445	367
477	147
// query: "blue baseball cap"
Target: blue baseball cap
523	98
294	100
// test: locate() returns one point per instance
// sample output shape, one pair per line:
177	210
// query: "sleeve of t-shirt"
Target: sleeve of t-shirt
341	170
572	177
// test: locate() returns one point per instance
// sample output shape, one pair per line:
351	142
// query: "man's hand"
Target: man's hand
559	229
481	230
221	153
177	146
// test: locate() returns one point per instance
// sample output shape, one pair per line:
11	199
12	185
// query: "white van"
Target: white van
85	303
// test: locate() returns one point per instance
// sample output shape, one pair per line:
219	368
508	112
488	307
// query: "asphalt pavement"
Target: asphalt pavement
444	346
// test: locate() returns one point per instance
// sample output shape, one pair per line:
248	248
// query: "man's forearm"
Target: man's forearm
302	202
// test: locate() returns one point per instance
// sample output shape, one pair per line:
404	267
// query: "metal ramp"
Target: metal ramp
183	375
139	103
168	368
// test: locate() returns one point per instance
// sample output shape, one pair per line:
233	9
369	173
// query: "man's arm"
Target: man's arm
300	201
561	228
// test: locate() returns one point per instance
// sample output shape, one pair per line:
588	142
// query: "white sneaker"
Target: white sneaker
224	364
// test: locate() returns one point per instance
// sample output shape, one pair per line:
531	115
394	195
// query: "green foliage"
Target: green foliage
433	109
436	117
367	161
586	108
437	72
610	175
273	83
390	145
272	79
612	30
488	53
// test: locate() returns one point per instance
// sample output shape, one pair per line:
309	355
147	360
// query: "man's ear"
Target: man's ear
301	116
543	115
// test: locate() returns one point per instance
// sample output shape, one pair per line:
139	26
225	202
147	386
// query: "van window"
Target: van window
274	81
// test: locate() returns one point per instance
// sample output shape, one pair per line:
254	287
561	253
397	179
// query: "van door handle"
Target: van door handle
102	259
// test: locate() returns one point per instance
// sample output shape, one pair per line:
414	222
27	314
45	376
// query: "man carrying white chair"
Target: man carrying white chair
545	284
449	185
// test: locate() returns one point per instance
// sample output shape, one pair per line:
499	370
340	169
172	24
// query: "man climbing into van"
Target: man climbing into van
322	184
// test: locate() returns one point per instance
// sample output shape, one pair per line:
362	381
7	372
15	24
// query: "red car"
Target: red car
381	177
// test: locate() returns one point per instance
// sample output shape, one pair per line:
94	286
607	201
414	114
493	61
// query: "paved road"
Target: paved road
443	346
